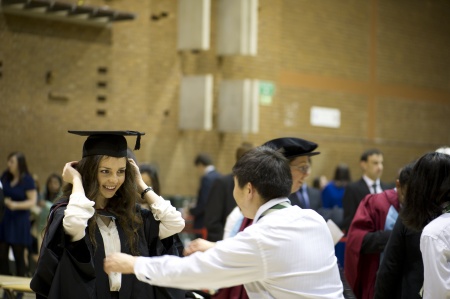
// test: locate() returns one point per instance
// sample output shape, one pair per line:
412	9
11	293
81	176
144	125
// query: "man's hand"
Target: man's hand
198	245
119	262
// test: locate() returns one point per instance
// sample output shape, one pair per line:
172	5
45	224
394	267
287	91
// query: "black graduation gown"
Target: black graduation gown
75	269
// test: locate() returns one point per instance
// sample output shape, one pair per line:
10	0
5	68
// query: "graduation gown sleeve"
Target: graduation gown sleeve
65	269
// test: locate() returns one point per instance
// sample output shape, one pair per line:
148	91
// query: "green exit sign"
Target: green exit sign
266	92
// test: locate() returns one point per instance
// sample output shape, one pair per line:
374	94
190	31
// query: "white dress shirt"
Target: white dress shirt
111	241
435	248
80	209
288	253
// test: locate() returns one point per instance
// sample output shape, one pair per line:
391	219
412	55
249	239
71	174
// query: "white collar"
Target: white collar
268	205
102	226
209	168
369	181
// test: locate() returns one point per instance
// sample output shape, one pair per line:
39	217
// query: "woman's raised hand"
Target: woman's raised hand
140	183
70	173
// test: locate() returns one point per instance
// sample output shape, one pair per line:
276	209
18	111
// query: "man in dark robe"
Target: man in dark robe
369	233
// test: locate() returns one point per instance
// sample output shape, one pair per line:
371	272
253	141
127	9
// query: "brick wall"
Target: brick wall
383	63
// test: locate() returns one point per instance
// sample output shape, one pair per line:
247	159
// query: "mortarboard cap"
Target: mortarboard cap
292	147
108	143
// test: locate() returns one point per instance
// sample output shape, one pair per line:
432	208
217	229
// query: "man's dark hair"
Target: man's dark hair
203	159
267	170
373	151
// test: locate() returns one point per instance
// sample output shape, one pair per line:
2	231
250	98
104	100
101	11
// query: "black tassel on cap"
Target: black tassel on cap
138	142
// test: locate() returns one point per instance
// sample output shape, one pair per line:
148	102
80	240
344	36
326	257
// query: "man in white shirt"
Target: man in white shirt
288	252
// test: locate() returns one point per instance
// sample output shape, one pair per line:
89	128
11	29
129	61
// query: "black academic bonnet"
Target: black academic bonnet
108	143
292	147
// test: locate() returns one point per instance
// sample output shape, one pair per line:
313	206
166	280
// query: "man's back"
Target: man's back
289	242
313	269
198	211
219	205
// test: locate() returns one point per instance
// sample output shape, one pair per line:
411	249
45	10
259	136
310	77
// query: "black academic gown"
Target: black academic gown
400	275
75	269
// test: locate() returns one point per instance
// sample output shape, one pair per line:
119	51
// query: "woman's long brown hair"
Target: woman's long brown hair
123	204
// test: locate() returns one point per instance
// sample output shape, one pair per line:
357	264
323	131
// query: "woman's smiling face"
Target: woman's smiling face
111	175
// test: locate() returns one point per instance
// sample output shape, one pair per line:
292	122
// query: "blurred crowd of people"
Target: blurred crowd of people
395	240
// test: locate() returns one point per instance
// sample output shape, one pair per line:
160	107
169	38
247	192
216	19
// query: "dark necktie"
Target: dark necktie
374	187
303	203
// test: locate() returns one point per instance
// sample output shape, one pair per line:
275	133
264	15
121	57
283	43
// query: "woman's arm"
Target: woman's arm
23	205
80	209
171	220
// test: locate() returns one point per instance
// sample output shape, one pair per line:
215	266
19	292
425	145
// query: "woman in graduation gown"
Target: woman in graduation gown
98	215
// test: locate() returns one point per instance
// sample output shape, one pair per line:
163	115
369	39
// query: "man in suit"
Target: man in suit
371	163
206	169
220	201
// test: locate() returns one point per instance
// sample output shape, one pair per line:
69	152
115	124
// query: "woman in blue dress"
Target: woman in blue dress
15	227
334	191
